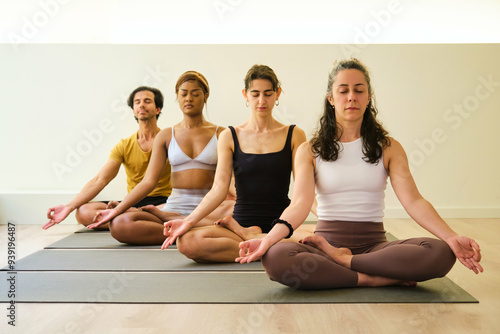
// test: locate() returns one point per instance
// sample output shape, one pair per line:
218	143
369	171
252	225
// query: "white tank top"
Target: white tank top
349	188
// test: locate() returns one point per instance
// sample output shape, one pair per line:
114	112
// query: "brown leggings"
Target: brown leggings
304	267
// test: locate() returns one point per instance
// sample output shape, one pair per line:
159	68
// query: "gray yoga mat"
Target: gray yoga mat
96	240
86	230
103	240
131	260
207	288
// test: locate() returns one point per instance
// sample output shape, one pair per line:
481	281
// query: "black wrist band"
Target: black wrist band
287	224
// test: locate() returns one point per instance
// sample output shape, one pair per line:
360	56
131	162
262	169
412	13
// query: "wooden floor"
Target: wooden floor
302	318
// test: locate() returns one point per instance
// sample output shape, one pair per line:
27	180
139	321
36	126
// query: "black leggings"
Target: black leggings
304	267
154	200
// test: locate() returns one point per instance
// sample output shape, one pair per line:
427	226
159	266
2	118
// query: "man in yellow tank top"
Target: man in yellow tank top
134	153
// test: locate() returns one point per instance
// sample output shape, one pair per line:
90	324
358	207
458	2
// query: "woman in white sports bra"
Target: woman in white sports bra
191	148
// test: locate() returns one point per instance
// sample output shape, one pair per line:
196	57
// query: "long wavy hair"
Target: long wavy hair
325	142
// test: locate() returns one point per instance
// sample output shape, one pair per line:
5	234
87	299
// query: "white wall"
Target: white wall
63	108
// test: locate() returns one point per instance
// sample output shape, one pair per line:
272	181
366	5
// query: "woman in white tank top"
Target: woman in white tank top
191	148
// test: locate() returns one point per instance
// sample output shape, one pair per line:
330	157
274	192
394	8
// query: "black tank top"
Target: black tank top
262	182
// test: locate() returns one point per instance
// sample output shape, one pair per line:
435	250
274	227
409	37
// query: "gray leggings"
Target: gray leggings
304	267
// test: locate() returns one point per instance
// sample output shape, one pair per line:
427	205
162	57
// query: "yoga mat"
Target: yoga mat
99	240
104	240
121	260
207	288
86	230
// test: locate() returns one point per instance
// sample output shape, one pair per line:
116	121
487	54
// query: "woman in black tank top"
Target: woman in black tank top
260	154
262	182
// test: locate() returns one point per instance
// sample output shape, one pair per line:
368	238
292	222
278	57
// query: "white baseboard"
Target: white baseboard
30	207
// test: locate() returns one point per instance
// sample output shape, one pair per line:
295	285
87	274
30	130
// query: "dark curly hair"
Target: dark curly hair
158	97
375	137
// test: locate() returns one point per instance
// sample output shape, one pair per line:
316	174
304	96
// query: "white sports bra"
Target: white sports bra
179	160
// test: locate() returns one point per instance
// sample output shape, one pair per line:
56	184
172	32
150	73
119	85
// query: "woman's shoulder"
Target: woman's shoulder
219	129
298	131
394	148
393	145
164	135
306	154
306	145
305	148
225	135
298	136
164	132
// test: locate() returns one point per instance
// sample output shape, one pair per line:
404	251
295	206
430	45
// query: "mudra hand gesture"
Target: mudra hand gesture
103	217
174	229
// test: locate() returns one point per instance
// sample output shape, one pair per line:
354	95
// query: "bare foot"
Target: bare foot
112	204
342	256
163	215
372	281
103	227
245	233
